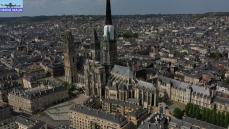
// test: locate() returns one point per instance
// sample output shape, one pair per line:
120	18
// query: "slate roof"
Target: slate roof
122	70
26	121
146	85
99	114
221	100
34	94
201	123
4	85
64	127
148	126
179	123
33	124
122	103
182	85
154	121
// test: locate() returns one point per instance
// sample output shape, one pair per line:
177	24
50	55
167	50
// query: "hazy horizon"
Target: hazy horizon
119	7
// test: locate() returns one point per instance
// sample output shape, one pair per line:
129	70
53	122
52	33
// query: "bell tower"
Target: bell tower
70	63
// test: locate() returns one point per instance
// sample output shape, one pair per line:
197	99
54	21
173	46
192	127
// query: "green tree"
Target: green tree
178	113
226	123
216	55
218	118
188	108
204	114
70	88
222	118
193	112
130	35
190	112
211	117
226	80
208	115
197	112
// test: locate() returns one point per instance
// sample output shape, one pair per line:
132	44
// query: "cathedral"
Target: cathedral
99	73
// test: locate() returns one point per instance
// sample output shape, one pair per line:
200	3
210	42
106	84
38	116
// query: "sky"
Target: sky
119	7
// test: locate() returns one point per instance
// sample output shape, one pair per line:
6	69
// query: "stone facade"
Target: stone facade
34	72
90	68
133	112
22	122
70	60
221	104
185	92
5	111
94	75
118	107
6	87
34	100
82	117
124	86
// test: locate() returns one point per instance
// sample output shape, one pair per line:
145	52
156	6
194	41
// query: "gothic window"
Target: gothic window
152	99
145	96
129	94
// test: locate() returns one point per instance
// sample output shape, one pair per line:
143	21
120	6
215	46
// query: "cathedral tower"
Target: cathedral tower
96	46
70	63
108	46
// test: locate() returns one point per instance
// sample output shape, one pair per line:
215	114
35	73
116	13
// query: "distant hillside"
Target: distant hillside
18	20
27	19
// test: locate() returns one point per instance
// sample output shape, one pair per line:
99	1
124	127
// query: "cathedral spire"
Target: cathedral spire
108	13
96	39
96	46
108	46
